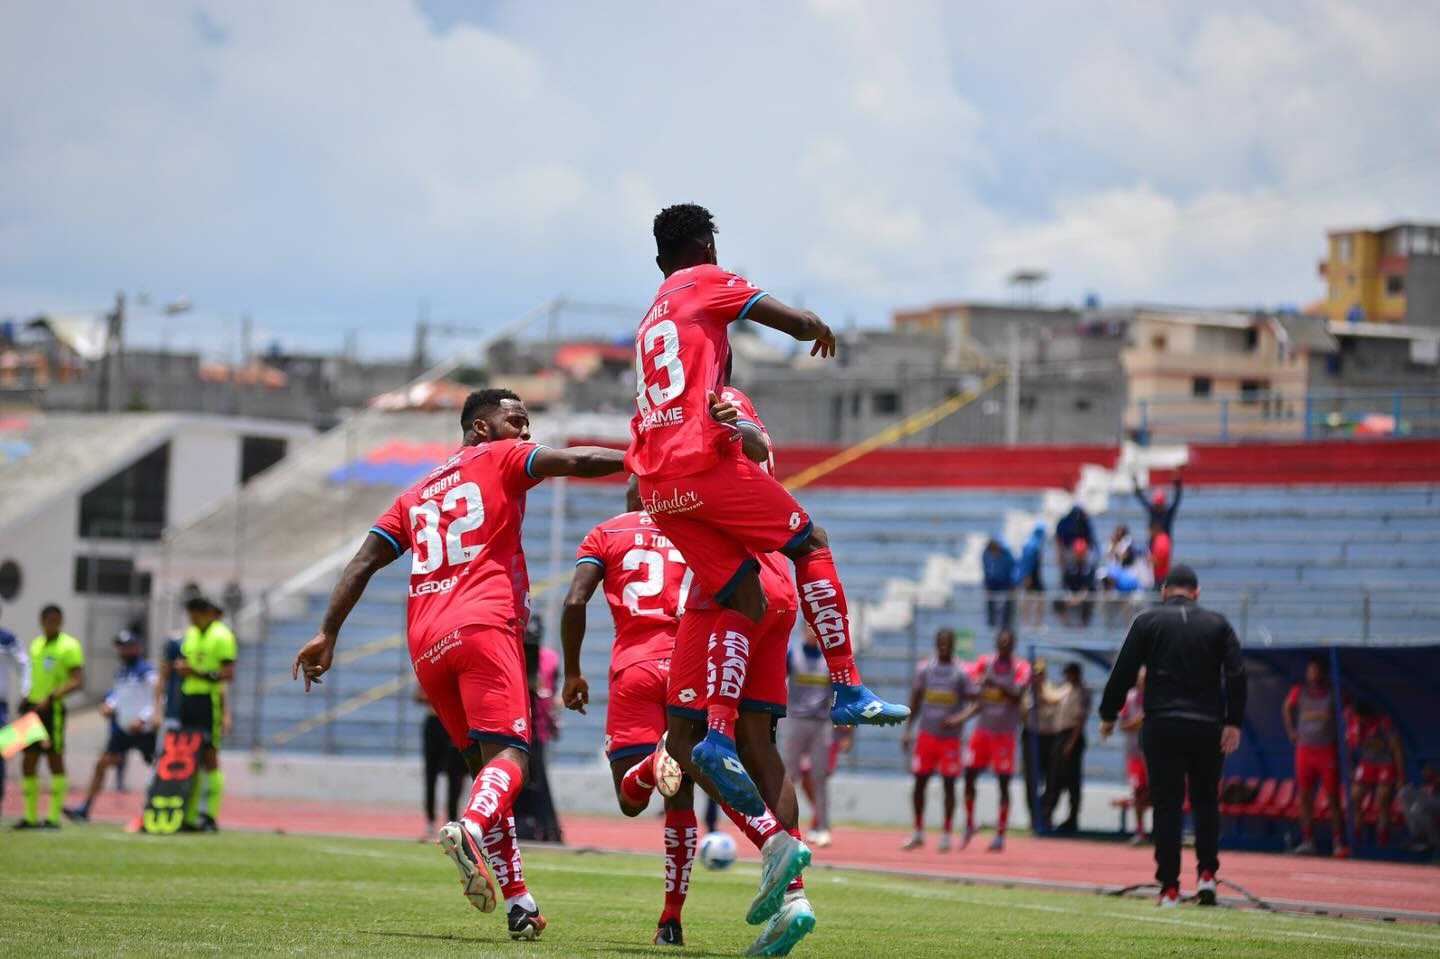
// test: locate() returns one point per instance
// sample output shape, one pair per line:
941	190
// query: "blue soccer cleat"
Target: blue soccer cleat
717	759
857	706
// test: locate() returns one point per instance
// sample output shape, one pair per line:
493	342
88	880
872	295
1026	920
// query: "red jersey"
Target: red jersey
680	352
462	522
775	578
646	582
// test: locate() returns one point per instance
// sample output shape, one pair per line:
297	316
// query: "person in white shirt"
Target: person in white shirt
13	653
130	707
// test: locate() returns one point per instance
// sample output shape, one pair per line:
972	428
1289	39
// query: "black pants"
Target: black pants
1175	750
1065	776
441	756
1037	771
999	609
534	808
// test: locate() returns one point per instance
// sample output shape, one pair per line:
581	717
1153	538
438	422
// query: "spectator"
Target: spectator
1421	807
1077	579
1308	713
1074	527
1068	755
1379	765
1029	574
1159	511
1132	720
1123	575
1159	552
130	707
1000	574
1047	726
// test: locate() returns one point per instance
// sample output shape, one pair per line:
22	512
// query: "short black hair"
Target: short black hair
482	403
1182	577
200	604
51	608
1074	667
680	226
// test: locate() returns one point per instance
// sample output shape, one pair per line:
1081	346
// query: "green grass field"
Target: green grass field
96	891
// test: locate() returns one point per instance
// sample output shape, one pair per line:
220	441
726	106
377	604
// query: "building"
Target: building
1386	275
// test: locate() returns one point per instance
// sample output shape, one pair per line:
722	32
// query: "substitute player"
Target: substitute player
1309	716
1131	721
1002	679
809	744
57	669
761	692
715	504
645	581
943	698
465	618
1379	764
130	707
206	665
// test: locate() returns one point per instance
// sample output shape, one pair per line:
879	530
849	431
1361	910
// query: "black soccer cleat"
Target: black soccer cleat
49	824
668	933
207	823
76	813
26	824
525	924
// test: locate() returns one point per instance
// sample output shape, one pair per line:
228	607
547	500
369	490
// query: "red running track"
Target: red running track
1310	884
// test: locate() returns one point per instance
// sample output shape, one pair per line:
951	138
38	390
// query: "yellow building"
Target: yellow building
1368	271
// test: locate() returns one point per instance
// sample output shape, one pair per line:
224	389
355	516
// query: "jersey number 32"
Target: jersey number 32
460	512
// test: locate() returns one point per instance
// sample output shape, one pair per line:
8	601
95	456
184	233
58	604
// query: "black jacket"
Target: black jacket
1193	668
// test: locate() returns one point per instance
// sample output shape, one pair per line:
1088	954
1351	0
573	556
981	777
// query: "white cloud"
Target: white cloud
327	164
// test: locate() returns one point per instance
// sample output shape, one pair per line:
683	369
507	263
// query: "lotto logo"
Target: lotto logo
607	744
733	764
794	520
687	695
518	725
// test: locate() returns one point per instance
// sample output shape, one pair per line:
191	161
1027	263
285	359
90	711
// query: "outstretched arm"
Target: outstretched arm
576	691
577	461
798	324
374	554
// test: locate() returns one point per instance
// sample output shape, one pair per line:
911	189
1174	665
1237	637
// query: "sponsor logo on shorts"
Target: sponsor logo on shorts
518	725
434	586
687	695
824	616
678	502
447	642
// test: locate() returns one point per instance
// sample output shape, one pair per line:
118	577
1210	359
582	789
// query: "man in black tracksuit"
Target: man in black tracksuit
1194	701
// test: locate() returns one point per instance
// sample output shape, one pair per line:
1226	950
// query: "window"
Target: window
855	405
1394	285
111	577
1344	248
1250	390
885	403
1252	338
1157	343
1083	404
131	503
257	454
1200	386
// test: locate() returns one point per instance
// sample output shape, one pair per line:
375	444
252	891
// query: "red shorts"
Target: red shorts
635	717
1375	774
1314	763
935	754
991	750
475	681
764	689
722	518
1136	774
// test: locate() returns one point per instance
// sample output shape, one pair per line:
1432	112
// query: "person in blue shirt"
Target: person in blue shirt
1030	576
130	707
999	568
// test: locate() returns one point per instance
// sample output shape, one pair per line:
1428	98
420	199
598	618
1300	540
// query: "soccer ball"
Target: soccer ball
717	850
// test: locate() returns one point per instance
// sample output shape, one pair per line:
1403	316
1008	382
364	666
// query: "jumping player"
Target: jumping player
1379	764
1132	719
645	580
781	902
466	615
715	504
944	698
1309	716
1002	680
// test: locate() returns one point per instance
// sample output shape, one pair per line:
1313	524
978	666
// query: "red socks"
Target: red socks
493	793
728	658
949	825
822	603
757	829
635	785
502	852
681	837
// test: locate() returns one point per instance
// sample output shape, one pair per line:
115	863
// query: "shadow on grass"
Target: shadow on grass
628	948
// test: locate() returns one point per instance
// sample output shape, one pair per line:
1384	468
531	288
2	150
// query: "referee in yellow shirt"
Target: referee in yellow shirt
56	661
206	664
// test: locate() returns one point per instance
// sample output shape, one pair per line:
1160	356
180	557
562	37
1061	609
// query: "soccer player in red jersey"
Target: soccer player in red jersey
1308	713
1379	764
645	581
761	695
1002	679
715	504
466	616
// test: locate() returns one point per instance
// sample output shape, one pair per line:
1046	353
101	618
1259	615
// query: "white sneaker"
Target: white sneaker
666	771
944	845
457	843
819	838
793	922
782	858
916	840
1205	889
1169	898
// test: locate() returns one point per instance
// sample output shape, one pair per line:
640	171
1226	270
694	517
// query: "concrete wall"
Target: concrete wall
1422	291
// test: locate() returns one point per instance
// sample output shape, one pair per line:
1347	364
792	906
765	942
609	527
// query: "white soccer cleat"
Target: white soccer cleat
916	840
944	844
457	843
667	772
793	922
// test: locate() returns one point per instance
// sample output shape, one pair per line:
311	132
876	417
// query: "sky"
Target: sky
328	166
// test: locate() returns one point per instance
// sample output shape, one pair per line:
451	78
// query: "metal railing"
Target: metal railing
1276	415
